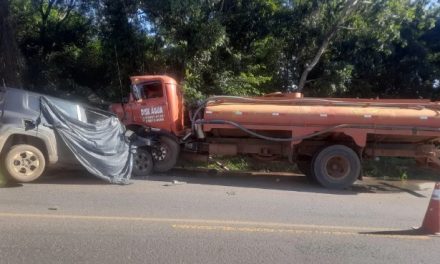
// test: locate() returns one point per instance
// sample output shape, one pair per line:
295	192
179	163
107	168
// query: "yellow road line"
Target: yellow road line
223	225
184	220
292	231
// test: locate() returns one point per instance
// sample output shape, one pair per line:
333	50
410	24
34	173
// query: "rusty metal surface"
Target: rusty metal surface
304	115
165	112
223	149
409	119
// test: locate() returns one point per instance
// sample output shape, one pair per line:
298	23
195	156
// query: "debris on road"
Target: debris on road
175	182
218	163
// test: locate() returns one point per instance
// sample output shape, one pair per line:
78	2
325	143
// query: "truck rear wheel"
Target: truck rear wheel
336	167
165	154
24	163
142	163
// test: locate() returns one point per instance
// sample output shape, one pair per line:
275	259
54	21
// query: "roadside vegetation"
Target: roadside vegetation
348	48
387	168
329	48
399	169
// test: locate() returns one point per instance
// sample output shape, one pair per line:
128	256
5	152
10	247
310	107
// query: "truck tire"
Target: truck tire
165	154
24	163
336	167
142	163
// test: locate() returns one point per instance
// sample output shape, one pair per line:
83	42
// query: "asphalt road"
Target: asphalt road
74	218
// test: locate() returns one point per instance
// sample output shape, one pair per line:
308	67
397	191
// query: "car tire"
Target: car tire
24	163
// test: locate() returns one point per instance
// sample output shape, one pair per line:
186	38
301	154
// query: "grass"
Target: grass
399	168
387	168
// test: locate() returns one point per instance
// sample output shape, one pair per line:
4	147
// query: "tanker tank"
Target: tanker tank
284	112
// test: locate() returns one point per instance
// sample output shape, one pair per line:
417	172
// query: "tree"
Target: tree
10	57
51	34
347	9
319	53
238	47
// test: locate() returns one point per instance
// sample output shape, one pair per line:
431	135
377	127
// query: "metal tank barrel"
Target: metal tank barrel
324	112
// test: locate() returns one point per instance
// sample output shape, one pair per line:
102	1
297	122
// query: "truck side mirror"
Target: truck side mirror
136	90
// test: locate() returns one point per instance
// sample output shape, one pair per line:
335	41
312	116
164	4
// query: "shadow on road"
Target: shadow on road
409	232
291	182
69	176
296	183
12	185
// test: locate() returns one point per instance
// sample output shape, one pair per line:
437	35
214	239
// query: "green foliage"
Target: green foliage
241	163
398	169
387	48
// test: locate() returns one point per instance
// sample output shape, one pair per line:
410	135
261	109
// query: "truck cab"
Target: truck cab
154	110
154	102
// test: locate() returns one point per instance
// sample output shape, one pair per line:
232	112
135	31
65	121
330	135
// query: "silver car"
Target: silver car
27	148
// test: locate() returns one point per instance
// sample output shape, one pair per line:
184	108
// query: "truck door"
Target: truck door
152	109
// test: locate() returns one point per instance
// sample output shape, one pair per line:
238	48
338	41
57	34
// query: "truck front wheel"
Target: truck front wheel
336	167
165	154
24	163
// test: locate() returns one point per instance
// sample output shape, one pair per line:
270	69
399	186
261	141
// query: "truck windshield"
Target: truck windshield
152	90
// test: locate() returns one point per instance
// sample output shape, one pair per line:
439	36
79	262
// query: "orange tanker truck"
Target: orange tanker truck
326	137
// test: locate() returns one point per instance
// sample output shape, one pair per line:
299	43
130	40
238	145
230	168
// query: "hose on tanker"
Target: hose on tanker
250	132
305	100
247	99
222	97
216	98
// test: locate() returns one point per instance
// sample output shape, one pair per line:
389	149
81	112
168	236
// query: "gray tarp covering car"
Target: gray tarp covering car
38	131
100	147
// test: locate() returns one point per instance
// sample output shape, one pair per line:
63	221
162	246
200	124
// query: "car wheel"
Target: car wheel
24	163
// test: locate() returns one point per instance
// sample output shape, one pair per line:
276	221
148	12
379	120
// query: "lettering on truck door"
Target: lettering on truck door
153	109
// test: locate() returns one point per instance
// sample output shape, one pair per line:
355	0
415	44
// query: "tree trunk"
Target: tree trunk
9	54
312	64
349	7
